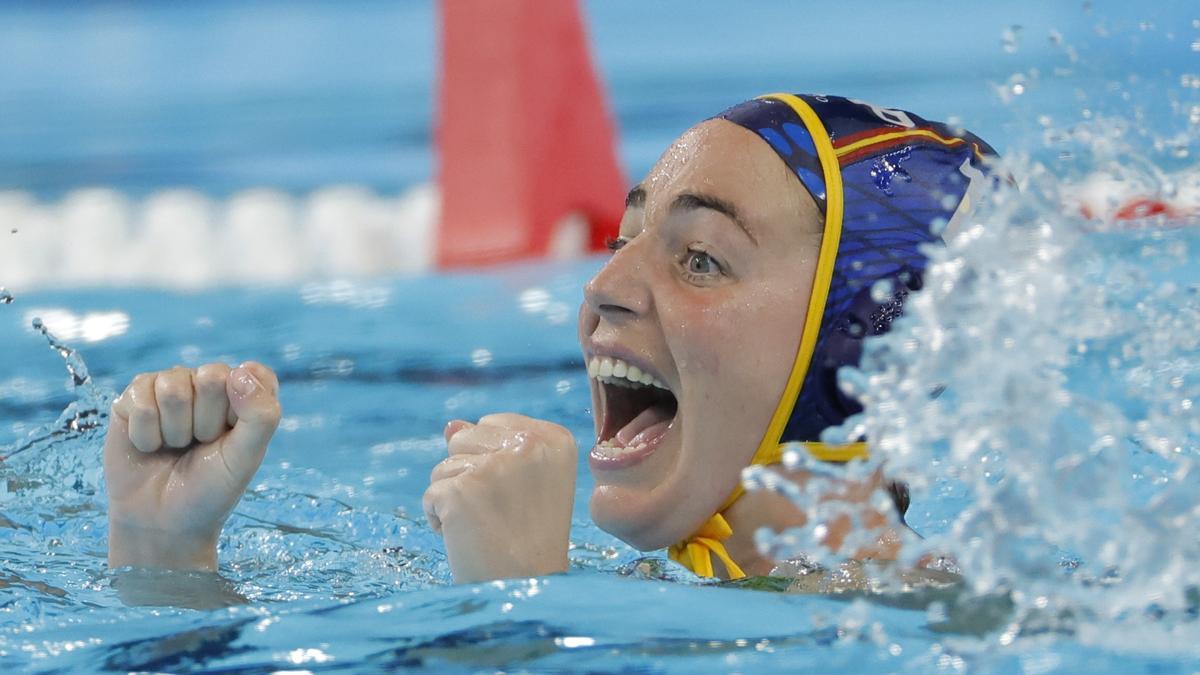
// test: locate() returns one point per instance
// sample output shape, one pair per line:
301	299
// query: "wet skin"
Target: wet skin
708	290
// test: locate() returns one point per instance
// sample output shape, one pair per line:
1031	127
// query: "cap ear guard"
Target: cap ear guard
843	344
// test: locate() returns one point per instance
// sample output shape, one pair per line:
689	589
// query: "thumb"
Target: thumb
117	446
453	427
253	399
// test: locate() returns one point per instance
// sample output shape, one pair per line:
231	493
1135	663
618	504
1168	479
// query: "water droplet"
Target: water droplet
6	298
1009	39
856	328
882	290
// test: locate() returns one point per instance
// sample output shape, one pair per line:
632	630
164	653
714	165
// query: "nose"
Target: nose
618	292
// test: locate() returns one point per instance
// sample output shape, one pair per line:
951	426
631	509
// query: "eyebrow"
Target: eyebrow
636	197
691	200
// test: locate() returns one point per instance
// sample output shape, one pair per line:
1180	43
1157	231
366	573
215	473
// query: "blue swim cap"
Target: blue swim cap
888	182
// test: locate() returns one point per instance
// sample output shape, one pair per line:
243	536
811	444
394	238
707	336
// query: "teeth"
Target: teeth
607	449
618	372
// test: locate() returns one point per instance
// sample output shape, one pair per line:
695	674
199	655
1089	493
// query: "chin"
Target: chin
624	514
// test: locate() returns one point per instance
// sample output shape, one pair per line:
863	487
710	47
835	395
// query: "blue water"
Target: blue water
327	562
222	96
328	547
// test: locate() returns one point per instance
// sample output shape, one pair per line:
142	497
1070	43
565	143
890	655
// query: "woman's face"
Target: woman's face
705	300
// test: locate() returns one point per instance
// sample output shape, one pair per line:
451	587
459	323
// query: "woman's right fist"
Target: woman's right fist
182	446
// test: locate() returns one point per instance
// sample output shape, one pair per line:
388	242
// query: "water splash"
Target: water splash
82	418
6	298
1049	373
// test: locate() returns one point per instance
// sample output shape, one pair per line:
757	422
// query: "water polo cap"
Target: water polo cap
887	182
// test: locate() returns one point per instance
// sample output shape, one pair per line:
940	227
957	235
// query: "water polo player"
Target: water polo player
739	284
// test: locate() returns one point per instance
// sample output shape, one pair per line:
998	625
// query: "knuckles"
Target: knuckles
210	378
172	393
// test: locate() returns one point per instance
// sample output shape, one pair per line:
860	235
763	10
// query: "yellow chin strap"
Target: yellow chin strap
696	551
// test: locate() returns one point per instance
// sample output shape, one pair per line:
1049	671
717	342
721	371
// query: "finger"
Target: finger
268	379
433	499
507	420
481	439
173	392
453	427
452	466
120	456
144	430
210	403
258	413
555	433
122	406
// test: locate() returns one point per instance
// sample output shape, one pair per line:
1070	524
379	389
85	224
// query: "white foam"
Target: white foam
183	239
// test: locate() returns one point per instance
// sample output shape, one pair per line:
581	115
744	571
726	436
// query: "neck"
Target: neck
756	510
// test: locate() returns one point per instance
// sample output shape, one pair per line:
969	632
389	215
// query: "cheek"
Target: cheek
736	336
737	352
704	331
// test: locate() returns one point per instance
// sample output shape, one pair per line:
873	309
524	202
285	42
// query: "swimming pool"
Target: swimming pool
329	548
327	564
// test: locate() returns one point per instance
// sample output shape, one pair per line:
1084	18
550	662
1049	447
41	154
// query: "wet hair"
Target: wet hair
899	494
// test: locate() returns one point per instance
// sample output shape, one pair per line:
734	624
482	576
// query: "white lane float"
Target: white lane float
527	170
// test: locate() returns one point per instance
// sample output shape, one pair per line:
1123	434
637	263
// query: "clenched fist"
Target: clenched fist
182	445
502	500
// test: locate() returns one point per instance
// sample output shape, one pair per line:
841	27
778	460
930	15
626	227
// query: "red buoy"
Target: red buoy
524	133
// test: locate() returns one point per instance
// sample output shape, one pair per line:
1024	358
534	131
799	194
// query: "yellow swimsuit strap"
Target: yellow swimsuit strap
696	552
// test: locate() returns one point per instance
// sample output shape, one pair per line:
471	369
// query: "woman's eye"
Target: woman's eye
616	244
701	263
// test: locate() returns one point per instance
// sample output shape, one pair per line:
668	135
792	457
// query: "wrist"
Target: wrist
137	546
501	564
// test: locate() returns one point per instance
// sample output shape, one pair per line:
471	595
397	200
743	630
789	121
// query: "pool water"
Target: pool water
328	551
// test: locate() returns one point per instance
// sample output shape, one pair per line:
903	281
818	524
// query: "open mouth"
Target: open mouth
636	408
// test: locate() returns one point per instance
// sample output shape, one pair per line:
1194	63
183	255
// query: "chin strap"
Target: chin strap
696	552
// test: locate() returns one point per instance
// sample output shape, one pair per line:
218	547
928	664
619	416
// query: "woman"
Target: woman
738	286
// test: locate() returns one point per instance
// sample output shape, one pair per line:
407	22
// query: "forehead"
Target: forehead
724	160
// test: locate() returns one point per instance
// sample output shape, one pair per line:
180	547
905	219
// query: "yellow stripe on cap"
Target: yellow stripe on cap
830	239
696	551
908	133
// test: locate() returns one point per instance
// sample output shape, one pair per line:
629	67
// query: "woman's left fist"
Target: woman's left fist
503	498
